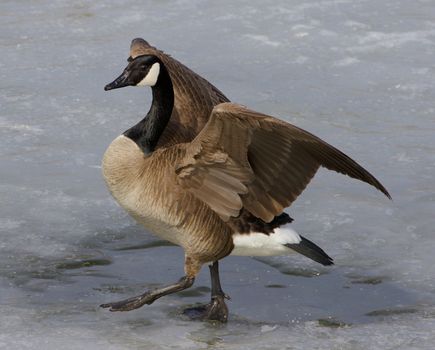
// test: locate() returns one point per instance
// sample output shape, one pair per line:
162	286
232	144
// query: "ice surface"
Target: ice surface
358	73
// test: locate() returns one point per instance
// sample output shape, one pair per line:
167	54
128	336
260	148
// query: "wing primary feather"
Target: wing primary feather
333	159
244	159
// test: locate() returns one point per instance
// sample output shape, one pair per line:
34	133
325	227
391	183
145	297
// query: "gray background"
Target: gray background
358	73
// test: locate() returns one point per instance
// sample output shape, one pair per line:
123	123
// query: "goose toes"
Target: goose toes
130	303
216	310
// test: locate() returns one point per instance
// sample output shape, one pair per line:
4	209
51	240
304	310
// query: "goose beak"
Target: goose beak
119	82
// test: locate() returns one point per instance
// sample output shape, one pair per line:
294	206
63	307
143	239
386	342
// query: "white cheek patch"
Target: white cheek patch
152	76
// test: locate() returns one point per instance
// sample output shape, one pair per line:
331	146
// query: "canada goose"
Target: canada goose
222	193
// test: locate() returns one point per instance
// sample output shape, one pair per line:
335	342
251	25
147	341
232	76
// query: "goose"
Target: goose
221	193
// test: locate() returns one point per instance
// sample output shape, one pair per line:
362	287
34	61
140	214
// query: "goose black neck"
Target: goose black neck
147	132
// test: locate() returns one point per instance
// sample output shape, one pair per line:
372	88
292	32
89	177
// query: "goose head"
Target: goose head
141	71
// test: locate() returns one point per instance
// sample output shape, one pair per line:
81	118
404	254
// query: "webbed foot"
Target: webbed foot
216	310
150	296
130	303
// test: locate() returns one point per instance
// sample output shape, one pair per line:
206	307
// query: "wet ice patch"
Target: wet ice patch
373	41
347	61
8	224
263	39
20	128
355	25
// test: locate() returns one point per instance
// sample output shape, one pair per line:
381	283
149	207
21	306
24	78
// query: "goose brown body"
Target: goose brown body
192	194
147	188
200	172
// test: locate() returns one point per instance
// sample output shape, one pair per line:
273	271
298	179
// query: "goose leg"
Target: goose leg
191	269
150	296
216	310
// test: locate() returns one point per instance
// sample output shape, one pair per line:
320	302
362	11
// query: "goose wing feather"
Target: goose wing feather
244	159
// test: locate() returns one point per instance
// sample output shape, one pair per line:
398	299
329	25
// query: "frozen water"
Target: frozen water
359	73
